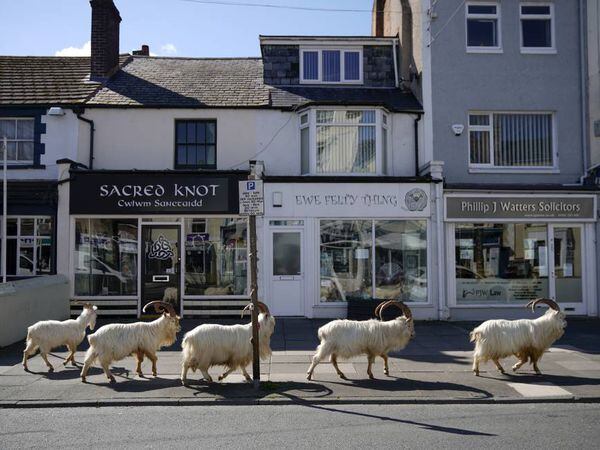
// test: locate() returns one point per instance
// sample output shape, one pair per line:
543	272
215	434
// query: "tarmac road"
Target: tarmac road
305	426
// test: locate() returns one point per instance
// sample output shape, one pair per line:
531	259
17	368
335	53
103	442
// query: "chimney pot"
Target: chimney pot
144	51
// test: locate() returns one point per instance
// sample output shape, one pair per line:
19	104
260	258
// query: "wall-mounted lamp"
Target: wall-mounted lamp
56	111
277	199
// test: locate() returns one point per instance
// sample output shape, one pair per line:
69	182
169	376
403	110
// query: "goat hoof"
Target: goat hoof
50	369
184	382
154	374
309	377
476	372
83	380
112	380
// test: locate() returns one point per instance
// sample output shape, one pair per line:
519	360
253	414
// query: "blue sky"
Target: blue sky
173	27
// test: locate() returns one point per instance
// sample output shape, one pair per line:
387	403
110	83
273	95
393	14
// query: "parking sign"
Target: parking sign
251	198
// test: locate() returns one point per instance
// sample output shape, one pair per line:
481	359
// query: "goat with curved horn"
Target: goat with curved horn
527	339
160	307
374	337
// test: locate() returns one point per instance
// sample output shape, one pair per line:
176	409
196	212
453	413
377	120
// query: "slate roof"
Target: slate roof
45	80
175	83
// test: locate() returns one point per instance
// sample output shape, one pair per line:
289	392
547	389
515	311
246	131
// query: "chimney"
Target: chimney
144	51
105	39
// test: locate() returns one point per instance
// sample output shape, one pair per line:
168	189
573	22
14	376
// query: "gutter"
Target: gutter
92	129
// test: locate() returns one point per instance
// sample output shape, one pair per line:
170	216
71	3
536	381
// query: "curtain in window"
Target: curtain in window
311	65
331	65
523	139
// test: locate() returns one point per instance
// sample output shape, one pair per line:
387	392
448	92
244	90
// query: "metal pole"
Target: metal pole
254	296
4	201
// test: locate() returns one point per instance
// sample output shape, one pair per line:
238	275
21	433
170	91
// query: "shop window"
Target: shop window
105	257
216	256
511	140
196	144
331	65
29	248
501	263
483	27
343	141
373	259
537	34
19	133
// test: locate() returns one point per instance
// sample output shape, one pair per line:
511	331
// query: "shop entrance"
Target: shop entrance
567	252
286	271
161	264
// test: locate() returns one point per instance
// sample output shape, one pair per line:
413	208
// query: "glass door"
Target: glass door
567	270
161	264
287	277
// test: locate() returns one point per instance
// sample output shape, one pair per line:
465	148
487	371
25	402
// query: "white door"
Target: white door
567	254
286	272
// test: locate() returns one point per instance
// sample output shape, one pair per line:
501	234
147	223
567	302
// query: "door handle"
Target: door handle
160	278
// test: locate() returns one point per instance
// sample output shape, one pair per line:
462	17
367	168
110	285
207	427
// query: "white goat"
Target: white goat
524	338
211	345
49	334
115	341
347	338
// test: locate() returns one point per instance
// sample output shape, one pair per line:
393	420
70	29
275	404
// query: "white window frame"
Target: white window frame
538	50
489	168
312	125
497	16
20	162
342	51
35	238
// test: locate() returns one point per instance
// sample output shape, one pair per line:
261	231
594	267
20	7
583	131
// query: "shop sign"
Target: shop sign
530	208
350	199
497	290
151	193
251	198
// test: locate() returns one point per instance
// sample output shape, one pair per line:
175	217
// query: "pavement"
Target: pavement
434	368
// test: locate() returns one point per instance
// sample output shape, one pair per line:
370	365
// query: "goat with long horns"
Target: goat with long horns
375	337
527	339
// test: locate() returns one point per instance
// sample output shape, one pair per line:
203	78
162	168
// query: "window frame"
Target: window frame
343	51
491	168
380	164
177	166
498	16
19	163
537	50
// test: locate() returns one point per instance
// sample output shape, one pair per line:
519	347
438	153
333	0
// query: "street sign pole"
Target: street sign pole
251	205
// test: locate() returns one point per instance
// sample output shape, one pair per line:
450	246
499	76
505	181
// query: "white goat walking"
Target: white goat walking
116	341
524	338
347	338
49	334
211	345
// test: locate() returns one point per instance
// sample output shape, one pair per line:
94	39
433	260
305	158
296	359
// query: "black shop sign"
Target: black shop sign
152	193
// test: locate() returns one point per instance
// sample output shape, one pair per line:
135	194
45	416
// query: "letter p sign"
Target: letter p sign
250	185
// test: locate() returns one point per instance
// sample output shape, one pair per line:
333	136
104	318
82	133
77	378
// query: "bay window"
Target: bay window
511	140
363	259
343	141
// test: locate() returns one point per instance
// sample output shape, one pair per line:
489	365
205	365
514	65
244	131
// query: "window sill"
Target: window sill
199	168
496	50
524	170
25	166
343	174
538	51
331	83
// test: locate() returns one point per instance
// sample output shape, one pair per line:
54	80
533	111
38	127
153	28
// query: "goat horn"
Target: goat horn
378	309
247	307
405	309
551	303
161	307
263	308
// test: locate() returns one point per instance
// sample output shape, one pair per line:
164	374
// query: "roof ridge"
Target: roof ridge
203	58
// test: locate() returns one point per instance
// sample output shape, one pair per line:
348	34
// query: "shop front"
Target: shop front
326	244
506	249
139	236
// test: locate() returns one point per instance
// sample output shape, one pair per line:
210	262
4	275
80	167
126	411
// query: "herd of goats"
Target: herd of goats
230	346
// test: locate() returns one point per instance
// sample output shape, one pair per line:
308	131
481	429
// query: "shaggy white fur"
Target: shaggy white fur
49	334
224	345
347	338
116	341
526	339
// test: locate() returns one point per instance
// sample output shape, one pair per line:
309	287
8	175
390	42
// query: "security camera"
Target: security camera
457	129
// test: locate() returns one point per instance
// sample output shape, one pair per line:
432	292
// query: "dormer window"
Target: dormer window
331	65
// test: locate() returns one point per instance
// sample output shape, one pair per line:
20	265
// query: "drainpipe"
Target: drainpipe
416	123
396	80
583	81
92	129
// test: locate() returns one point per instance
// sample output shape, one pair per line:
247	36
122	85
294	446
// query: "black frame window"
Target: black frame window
195	144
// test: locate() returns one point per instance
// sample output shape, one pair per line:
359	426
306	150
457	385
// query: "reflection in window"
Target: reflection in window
29	246
501	263
345	259
105	258
401	260
216	256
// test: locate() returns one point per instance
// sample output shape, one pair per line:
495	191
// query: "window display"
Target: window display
29	250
